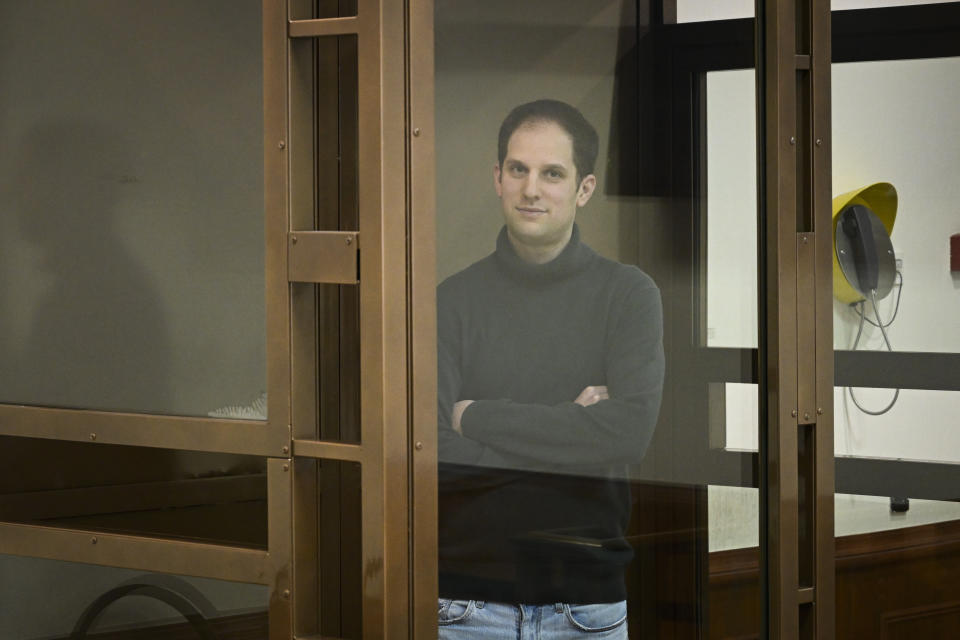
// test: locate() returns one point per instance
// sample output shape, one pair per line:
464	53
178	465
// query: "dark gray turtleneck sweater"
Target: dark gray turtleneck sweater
531	507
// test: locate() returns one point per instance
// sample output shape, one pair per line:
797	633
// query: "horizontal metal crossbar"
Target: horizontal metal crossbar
322	27
147	554
329	450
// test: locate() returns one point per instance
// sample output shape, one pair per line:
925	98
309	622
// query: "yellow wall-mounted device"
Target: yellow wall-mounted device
881	199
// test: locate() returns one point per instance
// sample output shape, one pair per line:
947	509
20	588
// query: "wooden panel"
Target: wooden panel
921	622
890	584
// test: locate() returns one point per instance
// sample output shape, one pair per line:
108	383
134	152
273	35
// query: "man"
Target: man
550	374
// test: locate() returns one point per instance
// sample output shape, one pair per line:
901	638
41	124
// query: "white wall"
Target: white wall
892	121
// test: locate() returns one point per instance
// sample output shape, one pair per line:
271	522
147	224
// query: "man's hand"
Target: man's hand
458	409
590	395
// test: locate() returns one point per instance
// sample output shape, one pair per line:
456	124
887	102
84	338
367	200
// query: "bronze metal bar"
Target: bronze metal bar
422	322
147	554
779	144
330	450
822	172
142	430
280	547
312	84
140	496
321	27
323	256
805	595
276	85
369	125
802	61
305	198
394	381
276	222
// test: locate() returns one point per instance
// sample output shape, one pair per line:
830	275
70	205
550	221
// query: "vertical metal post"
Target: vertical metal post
794	42
822	172
423	321
384	448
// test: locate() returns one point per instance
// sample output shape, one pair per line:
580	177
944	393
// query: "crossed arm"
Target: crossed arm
589	396
605	424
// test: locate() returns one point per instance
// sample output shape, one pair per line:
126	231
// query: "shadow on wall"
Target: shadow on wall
97	338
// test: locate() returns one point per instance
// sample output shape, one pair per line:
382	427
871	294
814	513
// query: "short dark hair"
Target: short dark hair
567	117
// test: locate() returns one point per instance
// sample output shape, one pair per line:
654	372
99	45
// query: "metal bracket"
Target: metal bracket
323	257
806	328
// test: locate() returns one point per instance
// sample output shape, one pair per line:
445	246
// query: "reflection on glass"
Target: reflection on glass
51	599
205	497
131	207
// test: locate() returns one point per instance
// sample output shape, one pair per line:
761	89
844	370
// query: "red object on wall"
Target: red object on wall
955	252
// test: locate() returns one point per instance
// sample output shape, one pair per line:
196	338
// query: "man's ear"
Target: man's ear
587	186
497	184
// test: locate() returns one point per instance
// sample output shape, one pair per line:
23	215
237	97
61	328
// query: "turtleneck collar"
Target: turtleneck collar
574	257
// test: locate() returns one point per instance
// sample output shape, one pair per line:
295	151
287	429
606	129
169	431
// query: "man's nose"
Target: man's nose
531	188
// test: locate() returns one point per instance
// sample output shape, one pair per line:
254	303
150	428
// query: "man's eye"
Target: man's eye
553	174
518	171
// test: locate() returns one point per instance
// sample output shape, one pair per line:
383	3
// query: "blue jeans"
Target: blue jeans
475	619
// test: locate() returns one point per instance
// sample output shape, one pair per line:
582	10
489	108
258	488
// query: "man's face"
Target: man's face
538	186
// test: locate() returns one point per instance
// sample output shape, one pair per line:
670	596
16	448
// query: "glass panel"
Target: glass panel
705	10
584	458
895	160
131	206
731	200
919	426
50	599
876	144
207	497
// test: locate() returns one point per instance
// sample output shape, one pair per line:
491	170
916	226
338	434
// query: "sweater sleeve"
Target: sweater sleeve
454	449
614	431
